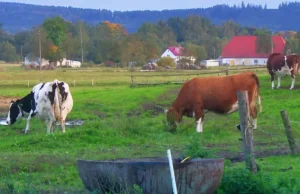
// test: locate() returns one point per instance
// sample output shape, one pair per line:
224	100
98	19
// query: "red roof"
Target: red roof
245	47
176	50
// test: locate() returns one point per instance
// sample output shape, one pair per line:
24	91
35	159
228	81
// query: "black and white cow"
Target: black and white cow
50	101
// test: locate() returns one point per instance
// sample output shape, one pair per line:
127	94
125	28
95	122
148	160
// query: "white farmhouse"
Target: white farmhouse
241	50
176	54
69	63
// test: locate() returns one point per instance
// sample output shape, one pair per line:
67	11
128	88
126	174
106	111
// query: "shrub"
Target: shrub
242	181
166	61
195	149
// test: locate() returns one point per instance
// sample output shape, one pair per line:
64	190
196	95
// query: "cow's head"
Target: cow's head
15	112
172	118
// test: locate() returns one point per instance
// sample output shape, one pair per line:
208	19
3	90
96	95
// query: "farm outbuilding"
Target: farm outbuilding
210	63
241	50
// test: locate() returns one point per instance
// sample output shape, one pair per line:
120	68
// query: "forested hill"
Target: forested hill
17	17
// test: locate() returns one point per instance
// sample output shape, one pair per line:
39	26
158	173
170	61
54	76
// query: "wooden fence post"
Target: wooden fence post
246	130
74	82
227	71
131	78
28	83
288	131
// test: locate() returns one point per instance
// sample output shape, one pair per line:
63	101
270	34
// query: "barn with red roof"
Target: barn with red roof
241	50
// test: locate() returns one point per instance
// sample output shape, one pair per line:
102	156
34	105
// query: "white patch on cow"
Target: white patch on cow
234	108
199	128
273	85
254	123
8	115
293	83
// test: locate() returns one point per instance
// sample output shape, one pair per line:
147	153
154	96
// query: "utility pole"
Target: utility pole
272	44
81	43
40	49
214	52
22	53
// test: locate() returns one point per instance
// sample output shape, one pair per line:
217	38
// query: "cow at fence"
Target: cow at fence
282	65
50	101
217	94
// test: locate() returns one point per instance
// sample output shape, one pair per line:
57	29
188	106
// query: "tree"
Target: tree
56	29
132	50
263	41
166	61
8	52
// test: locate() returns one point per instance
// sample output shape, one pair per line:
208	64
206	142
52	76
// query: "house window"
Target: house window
255	61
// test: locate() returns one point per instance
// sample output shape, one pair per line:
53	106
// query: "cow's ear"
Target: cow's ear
18	101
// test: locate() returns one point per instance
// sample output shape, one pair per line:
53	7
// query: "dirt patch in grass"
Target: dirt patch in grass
153	109
157	106
238	157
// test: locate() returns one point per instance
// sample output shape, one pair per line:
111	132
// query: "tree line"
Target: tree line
110	43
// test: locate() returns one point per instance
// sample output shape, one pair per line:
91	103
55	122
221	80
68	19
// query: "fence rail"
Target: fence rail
130	78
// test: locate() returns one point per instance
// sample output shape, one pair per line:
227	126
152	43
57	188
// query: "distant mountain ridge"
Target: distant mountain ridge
17	17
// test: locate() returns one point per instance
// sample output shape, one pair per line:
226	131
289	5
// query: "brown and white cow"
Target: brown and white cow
216	94
282	65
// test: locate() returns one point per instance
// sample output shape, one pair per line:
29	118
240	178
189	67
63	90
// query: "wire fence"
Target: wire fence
95	78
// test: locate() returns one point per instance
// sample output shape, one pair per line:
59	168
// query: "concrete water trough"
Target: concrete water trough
152	175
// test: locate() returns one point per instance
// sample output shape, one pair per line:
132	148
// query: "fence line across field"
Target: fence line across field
147	78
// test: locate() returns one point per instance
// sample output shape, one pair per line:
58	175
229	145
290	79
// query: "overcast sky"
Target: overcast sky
123	5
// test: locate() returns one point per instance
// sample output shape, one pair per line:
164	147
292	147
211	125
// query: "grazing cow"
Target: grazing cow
216	94
281	65
50	101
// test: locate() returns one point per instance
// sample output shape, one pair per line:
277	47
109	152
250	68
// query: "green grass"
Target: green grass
125	122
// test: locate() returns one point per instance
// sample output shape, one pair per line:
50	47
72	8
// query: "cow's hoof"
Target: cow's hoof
238	127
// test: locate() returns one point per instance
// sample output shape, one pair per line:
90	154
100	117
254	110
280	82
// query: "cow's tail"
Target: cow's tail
257	92
57	102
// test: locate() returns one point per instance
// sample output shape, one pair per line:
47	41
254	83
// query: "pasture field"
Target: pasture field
128	122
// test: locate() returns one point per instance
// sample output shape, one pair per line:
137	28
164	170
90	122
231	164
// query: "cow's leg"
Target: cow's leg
63	121
49	123
293	81
53	126
28	121
253	114
278	81
272	79
199	118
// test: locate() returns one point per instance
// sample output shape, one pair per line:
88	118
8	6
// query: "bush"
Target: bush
195	149
166	61
242	181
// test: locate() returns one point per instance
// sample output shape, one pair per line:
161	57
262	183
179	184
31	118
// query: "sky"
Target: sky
128	5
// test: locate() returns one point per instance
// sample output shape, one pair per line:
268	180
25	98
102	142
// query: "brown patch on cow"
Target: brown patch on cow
5	102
